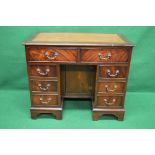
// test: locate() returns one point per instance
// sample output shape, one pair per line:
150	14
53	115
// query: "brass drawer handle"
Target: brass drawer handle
51	56
44	87
43	73
110	90
109	103
108	56
45	102
113	75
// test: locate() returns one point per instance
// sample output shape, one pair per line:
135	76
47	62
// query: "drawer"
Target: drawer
44	100
111	87
51	54
106	55
110	101
44	86
113	72
42	70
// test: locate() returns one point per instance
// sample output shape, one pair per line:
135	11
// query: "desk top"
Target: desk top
78	39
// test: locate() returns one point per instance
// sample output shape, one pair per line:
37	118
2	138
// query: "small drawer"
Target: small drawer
44	86
111	87
44	100
113	72
110	101
51	54
106	55
42	71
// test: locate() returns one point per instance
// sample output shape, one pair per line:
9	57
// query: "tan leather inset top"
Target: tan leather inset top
77	39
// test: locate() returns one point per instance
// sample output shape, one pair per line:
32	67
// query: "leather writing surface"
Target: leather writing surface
77	39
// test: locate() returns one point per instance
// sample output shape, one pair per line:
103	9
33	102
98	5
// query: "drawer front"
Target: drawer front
105	55
44	100
110	101
111	87
42	70
44	86
113	72
52	54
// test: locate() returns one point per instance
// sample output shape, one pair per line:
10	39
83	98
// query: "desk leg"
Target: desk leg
119	113
36	112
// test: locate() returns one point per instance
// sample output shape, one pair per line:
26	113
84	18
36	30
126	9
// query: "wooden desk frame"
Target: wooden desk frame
46	64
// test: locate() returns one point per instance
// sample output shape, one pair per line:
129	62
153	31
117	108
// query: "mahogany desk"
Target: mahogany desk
78	65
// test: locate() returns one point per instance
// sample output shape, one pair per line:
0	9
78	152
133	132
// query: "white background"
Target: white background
75	142
77	13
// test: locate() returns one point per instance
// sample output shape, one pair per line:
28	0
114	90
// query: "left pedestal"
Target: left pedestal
44	84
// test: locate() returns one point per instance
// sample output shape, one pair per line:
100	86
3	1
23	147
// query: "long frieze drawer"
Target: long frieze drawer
113	72
44	86
109	101
105	55
111	87
51	54
42	71
44	100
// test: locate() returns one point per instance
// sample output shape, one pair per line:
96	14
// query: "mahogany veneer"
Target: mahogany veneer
78	65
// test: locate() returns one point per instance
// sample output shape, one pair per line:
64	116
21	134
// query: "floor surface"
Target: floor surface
14	113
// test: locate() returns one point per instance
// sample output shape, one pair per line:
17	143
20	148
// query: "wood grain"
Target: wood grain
45	102
123	72
44	86
111	88
117	55
78	80
39	54
51	72
101	103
